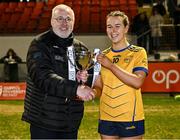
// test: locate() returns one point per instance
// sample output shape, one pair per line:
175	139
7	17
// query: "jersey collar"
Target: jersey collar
120	49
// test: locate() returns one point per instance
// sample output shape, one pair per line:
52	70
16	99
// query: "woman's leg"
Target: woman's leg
140	137
103	137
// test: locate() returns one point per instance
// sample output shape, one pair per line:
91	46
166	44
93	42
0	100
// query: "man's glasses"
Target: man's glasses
61	19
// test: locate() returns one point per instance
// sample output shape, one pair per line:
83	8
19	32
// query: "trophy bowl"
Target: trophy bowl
83	59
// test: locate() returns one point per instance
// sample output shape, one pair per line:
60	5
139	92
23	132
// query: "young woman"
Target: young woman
124	68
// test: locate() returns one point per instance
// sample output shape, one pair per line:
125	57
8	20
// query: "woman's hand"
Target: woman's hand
104	61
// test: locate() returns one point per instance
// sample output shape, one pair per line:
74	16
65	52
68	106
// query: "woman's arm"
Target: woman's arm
134	80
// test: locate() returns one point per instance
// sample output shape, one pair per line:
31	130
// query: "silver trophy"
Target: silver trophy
84	59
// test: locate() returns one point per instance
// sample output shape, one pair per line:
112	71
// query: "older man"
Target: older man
54	98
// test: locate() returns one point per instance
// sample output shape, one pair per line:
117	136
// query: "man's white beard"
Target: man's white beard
63	34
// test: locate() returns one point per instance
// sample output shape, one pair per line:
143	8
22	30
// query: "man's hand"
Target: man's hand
82	76
85	93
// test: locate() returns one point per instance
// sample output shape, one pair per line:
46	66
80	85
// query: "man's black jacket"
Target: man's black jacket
49	101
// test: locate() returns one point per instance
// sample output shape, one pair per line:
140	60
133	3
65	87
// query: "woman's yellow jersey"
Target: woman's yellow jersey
118	101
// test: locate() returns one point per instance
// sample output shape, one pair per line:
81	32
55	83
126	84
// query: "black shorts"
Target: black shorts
121	129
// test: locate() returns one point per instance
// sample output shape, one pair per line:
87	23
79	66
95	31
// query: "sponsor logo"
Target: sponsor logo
130	127
59	58
169	77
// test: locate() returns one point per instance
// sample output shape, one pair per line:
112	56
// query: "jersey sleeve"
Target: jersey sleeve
141	63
